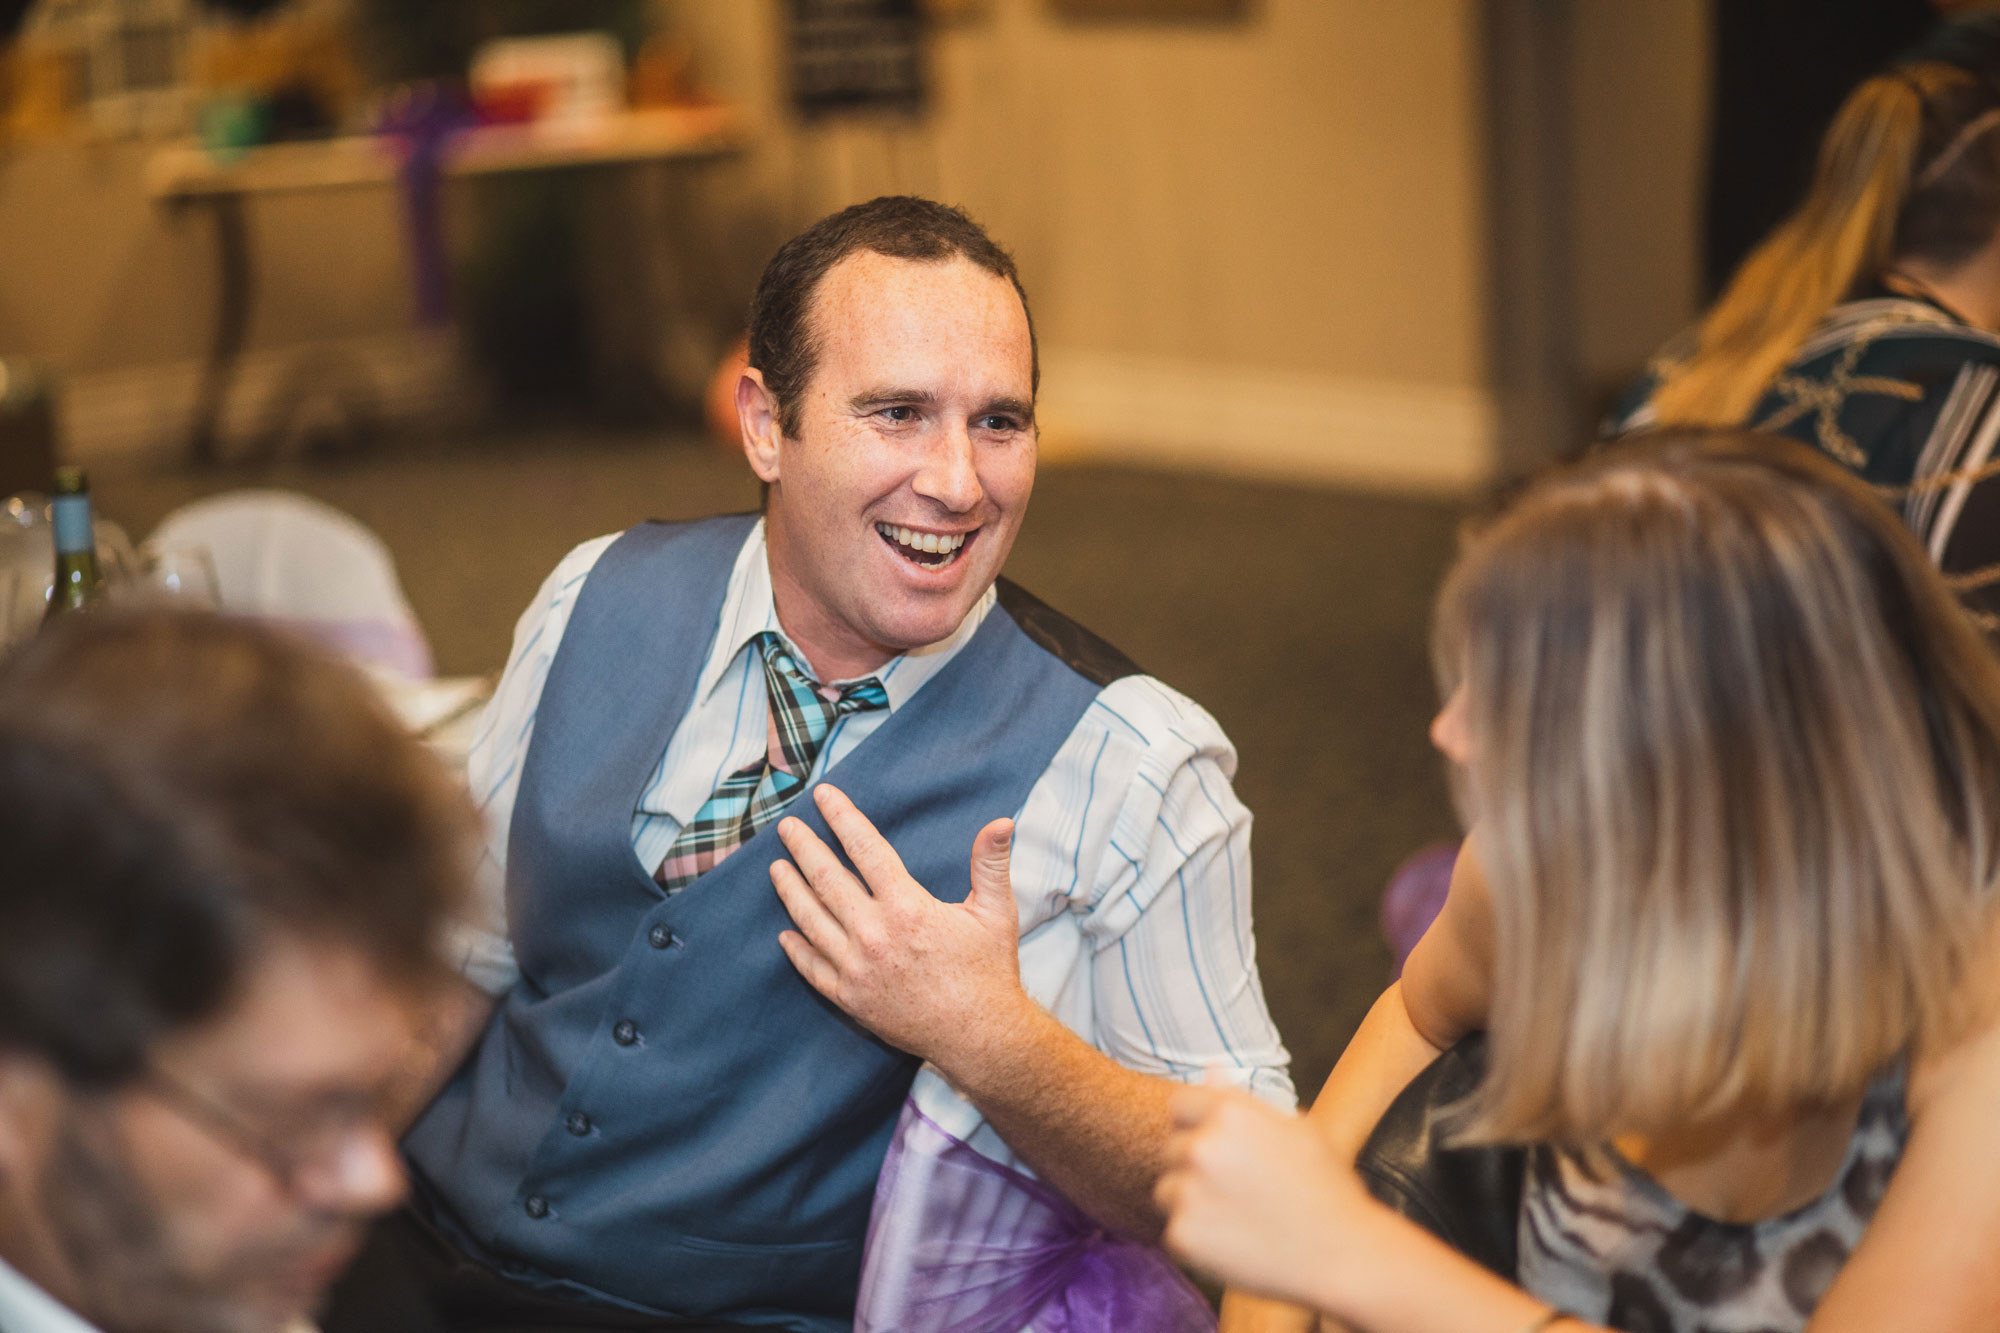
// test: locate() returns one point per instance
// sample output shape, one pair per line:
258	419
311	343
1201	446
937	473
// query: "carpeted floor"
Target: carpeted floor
1296	616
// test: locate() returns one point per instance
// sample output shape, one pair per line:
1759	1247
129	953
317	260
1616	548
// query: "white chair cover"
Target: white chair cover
286	557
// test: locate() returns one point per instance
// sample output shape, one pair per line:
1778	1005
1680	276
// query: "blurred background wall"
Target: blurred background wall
1400	245
1638	100
1254	244
1280	245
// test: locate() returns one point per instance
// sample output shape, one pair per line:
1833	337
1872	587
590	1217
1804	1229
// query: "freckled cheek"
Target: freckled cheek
1009	496
861	475
1008	476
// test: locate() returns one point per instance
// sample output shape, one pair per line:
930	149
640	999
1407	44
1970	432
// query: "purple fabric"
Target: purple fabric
962	1244
1415	896
424	118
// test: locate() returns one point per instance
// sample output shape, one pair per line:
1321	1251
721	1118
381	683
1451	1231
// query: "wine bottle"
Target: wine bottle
79	586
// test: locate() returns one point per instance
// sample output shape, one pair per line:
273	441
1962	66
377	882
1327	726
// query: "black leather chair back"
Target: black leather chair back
1470	1198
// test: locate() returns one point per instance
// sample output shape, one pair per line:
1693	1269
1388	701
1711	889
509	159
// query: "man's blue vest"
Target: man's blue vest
662	1113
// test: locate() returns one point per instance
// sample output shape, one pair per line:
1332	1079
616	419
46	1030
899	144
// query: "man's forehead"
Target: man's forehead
870	305
305	1011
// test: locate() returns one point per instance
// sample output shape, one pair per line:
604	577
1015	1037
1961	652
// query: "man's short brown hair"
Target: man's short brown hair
175	786
784	344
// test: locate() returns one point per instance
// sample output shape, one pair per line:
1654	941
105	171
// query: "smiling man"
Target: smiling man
663	1125
226	871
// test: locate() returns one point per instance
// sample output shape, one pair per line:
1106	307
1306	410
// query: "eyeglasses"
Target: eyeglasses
313	1152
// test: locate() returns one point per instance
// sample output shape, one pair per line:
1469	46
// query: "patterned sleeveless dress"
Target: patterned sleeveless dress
1603	1241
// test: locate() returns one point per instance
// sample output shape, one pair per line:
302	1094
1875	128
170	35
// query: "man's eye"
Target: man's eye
902	412
997	423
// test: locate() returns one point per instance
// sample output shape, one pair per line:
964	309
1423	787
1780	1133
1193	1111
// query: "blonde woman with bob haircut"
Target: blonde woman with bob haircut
1730	753
1865	324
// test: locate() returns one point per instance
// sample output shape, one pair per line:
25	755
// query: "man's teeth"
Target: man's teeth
929	542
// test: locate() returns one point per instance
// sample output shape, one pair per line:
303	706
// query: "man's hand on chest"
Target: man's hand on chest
940	980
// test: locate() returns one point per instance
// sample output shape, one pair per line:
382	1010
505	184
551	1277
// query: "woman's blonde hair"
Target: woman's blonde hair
1909	168
1736	777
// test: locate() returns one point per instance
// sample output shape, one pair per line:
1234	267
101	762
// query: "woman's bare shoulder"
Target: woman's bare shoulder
1448	981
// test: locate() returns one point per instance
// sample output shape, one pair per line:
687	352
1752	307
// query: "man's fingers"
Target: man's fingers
865	846
820	926
820	974
992	885
838	890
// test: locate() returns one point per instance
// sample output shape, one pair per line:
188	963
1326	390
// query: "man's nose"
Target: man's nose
950	472
366	1176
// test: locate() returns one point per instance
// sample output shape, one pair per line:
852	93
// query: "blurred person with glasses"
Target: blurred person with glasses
223	871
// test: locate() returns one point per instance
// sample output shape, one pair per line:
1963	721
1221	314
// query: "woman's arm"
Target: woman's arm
1275	1209
1265	1203
1387	1051
1264	1200
1442	996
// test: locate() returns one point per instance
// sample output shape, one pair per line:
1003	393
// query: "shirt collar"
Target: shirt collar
750	609
26	1308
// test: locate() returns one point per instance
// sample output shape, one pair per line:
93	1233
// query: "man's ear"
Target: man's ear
757	413
31	1106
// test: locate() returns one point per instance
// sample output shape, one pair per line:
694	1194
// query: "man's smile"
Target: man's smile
927	550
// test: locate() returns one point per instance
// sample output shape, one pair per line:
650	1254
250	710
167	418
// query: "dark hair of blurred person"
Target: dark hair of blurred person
783	342
1866	323
225	871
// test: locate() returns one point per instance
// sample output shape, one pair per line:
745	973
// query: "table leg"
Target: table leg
234	296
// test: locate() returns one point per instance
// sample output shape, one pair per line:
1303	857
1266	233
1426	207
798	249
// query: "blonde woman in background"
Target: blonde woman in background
1865	323
1727	914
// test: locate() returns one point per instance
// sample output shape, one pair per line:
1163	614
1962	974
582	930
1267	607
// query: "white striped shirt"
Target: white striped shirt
1131	858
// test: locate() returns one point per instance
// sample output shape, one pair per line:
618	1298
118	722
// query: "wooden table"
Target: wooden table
187	174
188	171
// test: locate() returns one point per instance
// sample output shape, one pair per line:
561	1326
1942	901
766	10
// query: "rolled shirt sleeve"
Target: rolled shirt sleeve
1136	838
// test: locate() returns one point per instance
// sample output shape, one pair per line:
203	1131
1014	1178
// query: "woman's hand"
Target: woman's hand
1253	1195
1264	1201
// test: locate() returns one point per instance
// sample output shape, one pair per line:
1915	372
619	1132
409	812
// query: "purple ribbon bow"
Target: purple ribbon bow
961	1244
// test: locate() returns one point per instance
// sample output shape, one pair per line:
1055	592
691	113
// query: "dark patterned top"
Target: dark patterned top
1907	395
1602	1240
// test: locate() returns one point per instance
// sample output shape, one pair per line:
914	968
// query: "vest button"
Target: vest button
536	1206
577	1124
659	937
625	1033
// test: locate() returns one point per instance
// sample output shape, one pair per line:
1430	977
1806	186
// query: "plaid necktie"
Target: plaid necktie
803	712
